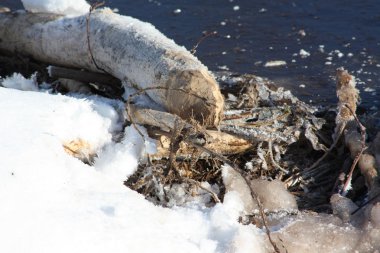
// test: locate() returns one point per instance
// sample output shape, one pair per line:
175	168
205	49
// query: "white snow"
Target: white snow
52	202
65	7
17	81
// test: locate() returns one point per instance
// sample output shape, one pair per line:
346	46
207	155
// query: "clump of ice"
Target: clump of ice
303	53
19	82
273	194
375	215
342	206
313	234
64	7
275	63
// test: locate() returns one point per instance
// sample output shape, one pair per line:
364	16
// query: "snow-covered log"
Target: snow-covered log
130	50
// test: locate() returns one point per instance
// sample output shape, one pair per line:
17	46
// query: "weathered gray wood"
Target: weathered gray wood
130	50
216	141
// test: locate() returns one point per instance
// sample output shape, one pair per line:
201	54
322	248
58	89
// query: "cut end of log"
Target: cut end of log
201	98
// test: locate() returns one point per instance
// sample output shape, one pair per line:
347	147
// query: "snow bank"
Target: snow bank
52	202
65	7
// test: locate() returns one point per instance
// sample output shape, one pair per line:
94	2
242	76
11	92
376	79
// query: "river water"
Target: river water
312	37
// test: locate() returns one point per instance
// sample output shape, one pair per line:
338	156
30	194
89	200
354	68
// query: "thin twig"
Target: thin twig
92	8
275	164
357	156
194	49
213	194
263	217
174	144
366	203
337	138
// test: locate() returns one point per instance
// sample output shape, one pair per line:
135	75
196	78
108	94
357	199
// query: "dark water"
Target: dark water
251	32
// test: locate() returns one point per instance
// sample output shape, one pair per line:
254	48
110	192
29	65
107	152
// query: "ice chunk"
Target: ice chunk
275	63
234	182
273	194
303	53
315	233
342	206
375	215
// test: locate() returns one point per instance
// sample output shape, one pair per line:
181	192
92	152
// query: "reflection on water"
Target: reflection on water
312	37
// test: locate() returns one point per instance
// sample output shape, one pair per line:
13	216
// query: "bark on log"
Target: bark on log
129	49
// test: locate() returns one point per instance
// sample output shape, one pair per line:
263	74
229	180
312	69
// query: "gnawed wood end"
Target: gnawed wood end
202	100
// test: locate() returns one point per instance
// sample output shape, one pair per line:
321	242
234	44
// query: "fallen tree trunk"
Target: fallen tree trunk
128	49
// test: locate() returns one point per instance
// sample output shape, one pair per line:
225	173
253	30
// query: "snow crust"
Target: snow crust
52	202
64	7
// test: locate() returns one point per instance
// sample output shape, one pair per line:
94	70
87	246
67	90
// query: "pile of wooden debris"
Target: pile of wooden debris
266	132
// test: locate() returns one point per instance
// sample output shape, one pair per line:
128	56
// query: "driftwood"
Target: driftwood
128	49
216	141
